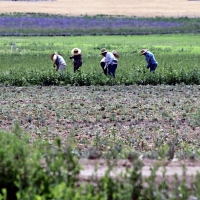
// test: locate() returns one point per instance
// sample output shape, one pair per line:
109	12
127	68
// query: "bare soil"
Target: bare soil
142	8
160	112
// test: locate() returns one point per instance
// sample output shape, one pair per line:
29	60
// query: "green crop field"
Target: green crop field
27	62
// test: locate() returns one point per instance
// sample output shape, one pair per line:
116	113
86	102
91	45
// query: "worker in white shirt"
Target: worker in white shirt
111	62
58	61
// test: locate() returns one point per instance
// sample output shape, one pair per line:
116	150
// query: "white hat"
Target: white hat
76	51
55	57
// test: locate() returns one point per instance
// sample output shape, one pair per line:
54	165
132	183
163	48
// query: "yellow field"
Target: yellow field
142	8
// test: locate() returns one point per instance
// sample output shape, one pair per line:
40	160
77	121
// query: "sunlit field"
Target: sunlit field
26	61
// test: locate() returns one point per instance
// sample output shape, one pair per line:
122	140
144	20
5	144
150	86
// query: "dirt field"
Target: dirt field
80	108
144	8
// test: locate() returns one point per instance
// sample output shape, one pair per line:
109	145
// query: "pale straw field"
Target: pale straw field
140	8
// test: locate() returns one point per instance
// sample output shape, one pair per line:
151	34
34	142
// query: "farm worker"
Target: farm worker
151	61
102	63
110	62
58	61
76	58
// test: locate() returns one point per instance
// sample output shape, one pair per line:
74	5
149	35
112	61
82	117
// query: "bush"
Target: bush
41	170
27	171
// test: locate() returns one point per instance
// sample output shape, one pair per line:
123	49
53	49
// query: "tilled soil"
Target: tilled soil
125	118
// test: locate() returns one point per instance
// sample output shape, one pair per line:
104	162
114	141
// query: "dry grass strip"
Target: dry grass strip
140	8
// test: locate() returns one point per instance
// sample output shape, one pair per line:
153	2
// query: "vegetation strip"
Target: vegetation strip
26	62
30	24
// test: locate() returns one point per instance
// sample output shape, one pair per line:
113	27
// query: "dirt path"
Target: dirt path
146	8
172	168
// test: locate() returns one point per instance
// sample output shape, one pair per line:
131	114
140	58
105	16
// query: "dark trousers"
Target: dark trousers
153	67
111	69
105	71
76	66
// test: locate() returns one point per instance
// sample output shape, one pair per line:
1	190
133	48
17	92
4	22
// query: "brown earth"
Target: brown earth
144	8
77	108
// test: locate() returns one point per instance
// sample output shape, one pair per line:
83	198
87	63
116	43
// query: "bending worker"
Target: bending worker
150	59
58	61
110	62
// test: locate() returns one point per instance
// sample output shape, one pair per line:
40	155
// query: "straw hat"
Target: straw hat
143	51
76	51
103	50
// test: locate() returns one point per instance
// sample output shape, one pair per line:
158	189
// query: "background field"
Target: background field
143	8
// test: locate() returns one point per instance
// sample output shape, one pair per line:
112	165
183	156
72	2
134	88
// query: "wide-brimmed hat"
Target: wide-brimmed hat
115	54
143	51
103	50
76	51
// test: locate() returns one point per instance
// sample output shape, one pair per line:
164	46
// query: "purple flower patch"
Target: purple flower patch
28	22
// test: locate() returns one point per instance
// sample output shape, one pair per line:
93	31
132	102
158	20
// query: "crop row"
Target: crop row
47	78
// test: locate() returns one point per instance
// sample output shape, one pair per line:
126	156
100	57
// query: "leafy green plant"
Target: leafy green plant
13	155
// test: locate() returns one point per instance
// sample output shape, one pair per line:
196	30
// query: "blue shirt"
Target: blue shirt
150	59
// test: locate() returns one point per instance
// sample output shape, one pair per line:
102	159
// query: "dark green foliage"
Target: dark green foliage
44	170
47	78
28	171
13	153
